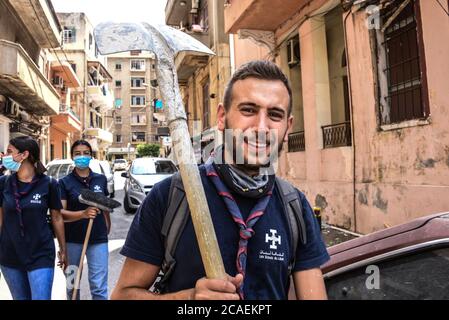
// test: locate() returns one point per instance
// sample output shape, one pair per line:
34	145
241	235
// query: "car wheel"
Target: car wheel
126	206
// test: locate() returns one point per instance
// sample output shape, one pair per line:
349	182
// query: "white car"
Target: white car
58	169
142	175
119	164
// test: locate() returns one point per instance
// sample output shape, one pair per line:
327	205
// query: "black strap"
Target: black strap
175	220
293	210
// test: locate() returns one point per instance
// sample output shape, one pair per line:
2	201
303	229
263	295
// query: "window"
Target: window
64	150
165	167
401	66
118	103
138	137
138	118
118	83
137	100
69	35
135	52
206	106
118	119
138	65
118	66
118	138
90	40
73	65
204	16
137	82
421	275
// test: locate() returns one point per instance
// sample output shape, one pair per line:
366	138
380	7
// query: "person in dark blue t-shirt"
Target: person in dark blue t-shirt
76	217
246	209
27	249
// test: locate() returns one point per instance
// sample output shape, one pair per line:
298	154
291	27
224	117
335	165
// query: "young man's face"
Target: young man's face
259	110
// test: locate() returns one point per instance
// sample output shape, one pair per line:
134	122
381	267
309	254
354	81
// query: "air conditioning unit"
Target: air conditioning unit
293	53
14	108
58	82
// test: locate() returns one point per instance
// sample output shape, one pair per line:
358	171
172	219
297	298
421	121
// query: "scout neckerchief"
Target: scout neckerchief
246	227
85	181
19	195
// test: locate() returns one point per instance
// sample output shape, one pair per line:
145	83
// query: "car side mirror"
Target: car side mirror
125	174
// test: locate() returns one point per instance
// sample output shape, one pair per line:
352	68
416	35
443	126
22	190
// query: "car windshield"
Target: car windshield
120	161
147	167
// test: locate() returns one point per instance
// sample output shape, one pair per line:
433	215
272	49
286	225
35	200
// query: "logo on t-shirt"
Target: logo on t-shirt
36	199
97	188
273	240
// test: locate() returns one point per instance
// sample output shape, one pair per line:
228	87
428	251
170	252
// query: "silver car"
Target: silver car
142	175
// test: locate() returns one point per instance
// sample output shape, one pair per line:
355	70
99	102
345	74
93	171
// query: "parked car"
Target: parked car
405	262
58	169
105	165
120	164
142	175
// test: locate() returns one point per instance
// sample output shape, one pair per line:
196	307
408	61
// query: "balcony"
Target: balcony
100	134
101	96
265	15
187	63
64	70
296	142
39	17
337	135
67	120
22	80
138	123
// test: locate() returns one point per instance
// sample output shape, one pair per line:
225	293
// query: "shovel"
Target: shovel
96	200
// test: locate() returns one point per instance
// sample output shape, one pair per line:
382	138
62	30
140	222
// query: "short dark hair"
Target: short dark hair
80	143
25	143
259	69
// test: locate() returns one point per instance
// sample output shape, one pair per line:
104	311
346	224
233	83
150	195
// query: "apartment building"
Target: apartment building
90	101
27	97
138	109
202	78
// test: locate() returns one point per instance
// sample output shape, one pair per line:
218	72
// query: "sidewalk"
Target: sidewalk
333	235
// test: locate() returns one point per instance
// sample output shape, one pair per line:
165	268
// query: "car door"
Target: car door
418	272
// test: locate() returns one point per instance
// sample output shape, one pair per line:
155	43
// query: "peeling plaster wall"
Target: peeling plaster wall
400	174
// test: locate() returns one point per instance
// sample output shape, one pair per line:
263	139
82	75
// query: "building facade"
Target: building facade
91	103
27	97
370	143
202	77
138	109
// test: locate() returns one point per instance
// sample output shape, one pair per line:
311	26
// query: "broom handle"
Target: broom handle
83	253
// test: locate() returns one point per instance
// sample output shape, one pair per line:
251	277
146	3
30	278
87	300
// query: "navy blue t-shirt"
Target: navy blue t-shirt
36	249
75	231
269	250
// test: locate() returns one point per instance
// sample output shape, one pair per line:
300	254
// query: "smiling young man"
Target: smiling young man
254	232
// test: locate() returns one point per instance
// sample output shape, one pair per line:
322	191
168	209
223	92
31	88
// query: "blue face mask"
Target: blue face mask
10	164
82	162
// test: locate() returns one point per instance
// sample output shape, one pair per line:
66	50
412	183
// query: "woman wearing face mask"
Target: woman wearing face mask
76	217
27	249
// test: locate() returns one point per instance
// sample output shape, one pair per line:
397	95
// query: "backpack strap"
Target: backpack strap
174	222
294	213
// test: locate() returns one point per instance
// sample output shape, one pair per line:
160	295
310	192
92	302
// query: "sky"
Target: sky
97	11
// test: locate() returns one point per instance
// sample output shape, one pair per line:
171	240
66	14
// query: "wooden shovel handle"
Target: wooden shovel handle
83	254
